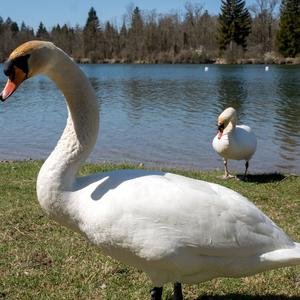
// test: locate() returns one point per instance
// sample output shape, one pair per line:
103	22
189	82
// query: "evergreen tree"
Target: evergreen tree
110	40
136	21
235	24
288	37
23	26
123	36
135	34
25	34
92	35
92	22
42	32
14	28
8	21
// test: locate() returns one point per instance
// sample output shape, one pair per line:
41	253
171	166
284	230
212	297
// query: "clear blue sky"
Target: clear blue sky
73	12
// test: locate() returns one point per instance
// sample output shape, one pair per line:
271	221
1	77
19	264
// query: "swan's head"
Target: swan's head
27	60
227	116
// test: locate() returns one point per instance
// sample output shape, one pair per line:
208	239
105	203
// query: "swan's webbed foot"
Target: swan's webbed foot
178	291
156	293
227	176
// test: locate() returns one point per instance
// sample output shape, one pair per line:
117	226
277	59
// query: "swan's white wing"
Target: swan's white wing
156	215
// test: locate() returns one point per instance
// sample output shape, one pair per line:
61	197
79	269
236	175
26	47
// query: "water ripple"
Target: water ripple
164	114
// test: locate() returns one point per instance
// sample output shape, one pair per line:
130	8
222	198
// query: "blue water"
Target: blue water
164	115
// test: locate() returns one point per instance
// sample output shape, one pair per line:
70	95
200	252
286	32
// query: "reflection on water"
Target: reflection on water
232	90
287	119
164	114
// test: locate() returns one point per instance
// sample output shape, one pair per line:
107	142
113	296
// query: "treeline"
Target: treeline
257	34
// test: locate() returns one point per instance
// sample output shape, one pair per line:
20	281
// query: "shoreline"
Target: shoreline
161	167
216	61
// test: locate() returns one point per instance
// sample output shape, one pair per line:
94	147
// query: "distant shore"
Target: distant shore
217	61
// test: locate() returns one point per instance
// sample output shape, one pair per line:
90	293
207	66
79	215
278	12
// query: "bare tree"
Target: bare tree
264	26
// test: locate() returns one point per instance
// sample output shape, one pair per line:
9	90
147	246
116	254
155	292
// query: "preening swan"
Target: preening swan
233	141
174	228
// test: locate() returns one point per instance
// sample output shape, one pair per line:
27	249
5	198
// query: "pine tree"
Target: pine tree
14	28
288	37
42	32
92	35
110	40
135	35
25	34
235	24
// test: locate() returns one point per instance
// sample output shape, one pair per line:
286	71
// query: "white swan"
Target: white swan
175	228
233	141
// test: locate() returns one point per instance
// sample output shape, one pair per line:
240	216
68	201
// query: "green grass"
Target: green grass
40	259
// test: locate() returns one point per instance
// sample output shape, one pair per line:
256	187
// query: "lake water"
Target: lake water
164	115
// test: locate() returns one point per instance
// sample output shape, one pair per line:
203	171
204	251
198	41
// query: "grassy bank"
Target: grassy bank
39	259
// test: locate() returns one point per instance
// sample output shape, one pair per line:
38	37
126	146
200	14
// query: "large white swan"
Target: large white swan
233	141
175	228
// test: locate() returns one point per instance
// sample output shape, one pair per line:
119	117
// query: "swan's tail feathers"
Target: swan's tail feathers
283	257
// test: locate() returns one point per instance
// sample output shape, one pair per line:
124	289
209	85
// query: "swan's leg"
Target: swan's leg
156	293
227	175
177	291
246	170
225	168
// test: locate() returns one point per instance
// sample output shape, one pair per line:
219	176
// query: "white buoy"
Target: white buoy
206	69
266	68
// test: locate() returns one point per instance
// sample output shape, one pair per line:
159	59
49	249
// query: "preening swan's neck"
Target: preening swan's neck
80	133
231	126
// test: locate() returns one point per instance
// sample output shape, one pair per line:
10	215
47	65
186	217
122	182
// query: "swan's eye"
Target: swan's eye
221	127
20	62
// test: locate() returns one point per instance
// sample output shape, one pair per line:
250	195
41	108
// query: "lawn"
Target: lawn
40	259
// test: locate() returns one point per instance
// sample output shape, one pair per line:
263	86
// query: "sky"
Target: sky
73	12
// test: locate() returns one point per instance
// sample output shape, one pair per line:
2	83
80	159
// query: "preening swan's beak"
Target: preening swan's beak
220	130
220	133
14	80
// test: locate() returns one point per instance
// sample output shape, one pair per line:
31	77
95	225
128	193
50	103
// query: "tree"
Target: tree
14	28
92	36
123	36
64	37
235	24
42	32
288	37
25	34
191	25
135	34
264	25
110	40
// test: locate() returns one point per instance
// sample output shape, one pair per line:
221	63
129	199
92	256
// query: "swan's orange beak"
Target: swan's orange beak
14	80
220	130
220	133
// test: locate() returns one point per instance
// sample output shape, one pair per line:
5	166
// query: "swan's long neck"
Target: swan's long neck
231	125
59	171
